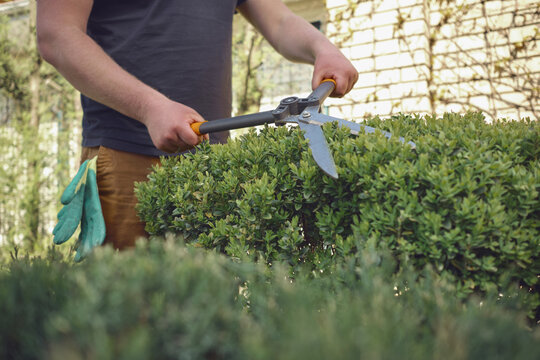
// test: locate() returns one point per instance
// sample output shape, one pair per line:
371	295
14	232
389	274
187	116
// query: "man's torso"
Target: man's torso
181	48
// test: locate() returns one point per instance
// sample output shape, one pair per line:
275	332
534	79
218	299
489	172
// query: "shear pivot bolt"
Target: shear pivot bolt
306	115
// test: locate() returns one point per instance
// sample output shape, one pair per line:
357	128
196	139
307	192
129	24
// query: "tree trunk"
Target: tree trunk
31	142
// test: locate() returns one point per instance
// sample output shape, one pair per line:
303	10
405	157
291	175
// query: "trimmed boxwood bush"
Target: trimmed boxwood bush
465	201
165	301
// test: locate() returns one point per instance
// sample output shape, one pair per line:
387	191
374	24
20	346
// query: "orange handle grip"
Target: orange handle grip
195	127
331	80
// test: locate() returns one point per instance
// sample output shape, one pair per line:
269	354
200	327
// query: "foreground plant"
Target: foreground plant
164	300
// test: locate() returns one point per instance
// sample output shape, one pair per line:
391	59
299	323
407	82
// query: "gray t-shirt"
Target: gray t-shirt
182	48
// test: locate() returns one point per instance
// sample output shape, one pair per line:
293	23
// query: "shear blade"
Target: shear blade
353	127
319	148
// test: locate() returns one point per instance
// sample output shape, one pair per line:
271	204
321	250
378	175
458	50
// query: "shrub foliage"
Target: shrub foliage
165	301
465	201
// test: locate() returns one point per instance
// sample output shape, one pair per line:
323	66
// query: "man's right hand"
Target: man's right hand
168	123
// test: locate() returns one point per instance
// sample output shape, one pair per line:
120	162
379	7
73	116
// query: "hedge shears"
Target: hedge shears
305	112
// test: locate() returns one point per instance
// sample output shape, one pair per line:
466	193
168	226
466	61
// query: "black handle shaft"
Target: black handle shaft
237	122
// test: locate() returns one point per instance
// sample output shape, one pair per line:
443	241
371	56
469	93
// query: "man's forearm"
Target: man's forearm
62	41
291	35
298	40
89	69
95	74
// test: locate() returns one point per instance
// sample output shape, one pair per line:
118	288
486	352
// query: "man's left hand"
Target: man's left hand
332	64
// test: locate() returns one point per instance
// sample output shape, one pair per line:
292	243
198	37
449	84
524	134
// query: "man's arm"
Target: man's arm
63	42
299	41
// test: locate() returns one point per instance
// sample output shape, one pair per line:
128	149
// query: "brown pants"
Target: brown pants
117	171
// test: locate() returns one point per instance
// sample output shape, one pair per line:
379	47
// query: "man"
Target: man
148	69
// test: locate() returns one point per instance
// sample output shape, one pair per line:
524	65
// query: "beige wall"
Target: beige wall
470	65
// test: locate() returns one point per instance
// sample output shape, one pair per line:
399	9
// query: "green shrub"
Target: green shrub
378	314
165	301
465	202
157	302
30	289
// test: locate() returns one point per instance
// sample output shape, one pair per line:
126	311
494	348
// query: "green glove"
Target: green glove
81	205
